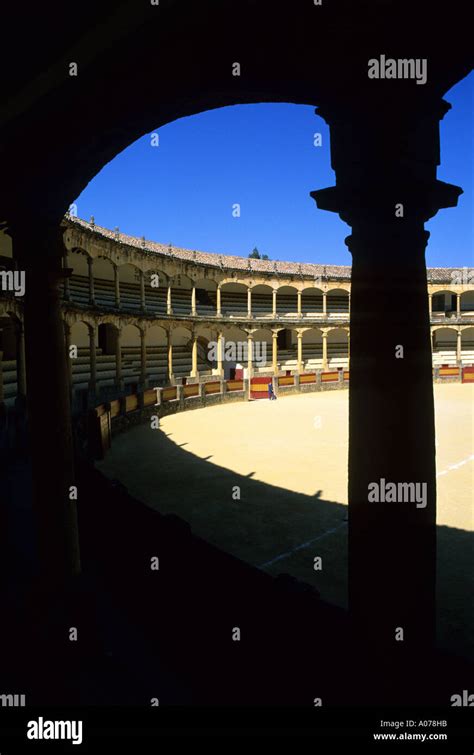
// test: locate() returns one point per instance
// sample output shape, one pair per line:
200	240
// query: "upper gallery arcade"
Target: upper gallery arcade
126	299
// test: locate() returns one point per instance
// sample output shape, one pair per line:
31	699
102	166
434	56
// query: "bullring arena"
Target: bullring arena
263	480
289	459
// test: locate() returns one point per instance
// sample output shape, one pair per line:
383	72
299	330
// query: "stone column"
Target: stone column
39	249
458	347
325	350
90	263
118	360
218	301
298	296
324	304
219	353
92	361
249	302
458	305
194	361
385	162
193	301
430	305
274	303
170	356
300	351
117	286
249	354
169	308
143	360
142	291
275	352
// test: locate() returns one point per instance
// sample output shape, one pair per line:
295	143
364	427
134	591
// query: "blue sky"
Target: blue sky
263	157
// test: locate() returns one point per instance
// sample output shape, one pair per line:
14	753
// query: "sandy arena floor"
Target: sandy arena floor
289	460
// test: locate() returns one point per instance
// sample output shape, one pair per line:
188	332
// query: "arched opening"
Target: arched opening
107	338
234	352
234	300
467	347
107	341
129	281
80	365
131	354
444	346
181	345
338	303
467	303
205	338
328	350
156	291
262	350
262	300
181	294
313	349
78	262
157	355
443	304
104	274
287	301
312	302
206	302
337	347
287	349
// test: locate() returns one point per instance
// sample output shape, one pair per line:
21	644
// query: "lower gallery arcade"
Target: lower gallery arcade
139	313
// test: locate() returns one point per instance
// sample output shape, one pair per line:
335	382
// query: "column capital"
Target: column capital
377	203
383	157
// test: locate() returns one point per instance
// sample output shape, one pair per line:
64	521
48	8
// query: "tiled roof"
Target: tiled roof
231	262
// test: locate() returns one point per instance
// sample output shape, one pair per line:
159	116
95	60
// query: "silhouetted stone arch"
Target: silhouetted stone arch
384	139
